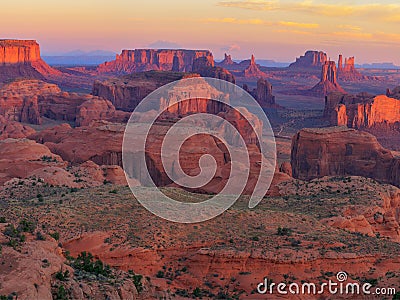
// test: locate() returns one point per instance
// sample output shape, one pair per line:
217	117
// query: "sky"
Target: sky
279	30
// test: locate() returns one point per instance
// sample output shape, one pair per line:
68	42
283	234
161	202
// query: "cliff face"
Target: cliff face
348	72
362	111
328	82
339	151
18	51
21	58
140	60
311	59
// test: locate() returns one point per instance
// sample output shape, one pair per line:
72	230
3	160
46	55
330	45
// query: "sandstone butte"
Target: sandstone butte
310	60
347	71
328	82
363	110
21	58
340	151
140	60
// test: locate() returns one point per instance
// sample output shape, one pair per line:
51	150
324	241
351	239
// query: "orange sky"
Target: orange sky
271	29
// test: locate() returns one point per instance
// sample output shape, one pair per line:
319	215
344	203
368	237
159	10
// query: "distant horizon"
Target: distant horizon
216	58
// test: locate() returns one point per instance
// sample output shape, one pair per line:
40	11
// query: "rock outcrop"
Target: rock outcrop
310	60
204	68
15	130
264	93
253	71
29	101
340	151
140	60
127	91
100	143
19	100
348	72
395	93
20	157
227	62
328	82
362	111
98	109
21	59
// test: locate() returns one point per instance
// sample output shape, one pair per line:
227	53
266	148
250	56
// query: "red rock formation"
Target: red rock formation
19	100
140	60
100	143
348	72
98	109
362	111
339	151
20	157
328	82
310	60
395	93
21	58
30	100
264	93
253	71
227	62
204	68
127	91
15	130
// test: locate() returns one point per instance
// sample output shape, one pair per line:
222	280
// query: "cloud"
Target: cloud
349	27
231	48
293	31
299	25
262	22
164	44
253	5
237	21
352	35
314	8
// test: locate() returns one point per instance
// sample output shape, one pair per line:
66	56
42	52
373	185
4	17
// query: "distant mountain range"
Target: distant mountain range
385	65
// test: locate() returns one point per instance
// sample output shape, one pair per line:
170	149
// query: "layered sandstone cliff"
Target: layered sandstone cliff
328	82
310	60
21	58
362	111
340	151
140	60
